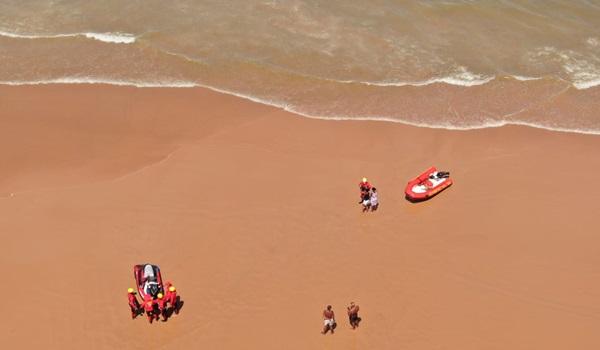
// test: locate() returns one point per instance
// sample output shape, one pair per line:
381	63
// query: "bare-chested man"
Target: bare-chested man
353	315
328	320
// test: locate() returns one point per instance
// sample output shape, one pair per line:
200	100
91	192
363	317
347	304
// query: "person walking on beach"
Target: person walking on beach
328	320
150	308
133	303
353	315
364	187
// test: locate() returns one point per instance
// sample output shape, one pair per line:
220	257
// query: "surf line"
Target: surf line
108	37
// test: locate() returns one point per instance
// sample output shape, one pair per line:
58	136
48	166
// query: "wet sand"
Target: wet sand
252	213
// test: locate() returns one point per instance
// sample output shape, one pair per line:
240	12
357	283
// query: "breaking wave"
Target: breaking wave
88	80
582	71
462	77
114	38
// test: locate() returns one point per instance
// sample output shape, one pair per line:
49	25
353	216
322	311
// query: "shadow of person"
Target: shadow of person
135	314
178	305
168	313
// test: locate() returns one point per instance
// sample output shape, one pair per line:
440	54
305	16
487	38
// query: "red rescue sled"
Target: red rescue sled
426	185
148	280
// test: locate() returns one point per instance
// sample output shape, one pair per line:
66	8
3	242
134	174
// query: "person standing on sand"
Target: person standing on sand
328	320
133	303
374	199
171	298
161	304
353	315
364	187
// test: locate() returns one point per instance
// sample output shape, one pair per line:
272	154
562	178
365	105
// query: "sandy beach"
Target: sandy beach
252	212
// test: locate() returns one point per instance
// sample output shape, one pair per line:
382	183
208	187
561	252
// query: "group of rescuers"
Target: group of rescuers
162	305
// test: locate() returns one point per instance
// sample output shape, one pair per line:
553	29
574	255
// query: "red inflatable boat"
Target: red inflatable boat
427	185
148	280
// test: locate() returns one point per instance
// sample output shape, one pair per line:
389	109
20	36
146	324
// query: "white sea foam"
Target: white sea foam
522	78
593	42
582	70
584	74
88	80
462	77
115	38
446	126
31	36
587	84
450	80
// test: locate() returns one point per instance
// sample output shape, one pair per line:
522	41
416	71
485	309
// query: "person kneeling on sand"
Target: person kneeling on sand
353	315
329	323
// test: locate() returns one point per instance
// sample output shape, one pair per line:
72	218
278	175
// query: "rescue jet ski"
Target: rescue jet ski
148	280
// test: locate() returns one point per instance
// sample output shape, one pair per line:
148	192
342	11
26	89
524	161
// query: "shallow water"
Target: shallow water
452	64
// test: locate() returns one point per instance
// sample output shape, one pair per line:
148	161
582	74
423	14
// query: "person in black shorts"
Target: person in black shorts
353	315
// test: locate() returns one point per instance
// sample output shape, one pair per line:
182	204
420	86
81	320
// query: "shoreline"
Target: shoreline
284	107
252	212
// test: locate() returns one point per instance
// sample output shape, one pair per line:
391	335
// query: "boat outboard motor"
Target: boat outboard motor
148	271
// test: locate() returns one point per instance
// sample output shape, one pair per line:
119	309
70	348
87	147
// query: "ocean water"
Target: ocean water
447	64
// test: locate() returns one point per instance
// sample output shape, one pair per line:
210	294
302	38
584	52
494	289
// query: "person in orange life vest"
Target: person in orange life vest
133	303
149	307
171	297
364	187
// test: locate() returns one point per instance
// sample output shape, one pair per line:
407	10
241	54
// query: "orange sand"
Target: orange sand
252	212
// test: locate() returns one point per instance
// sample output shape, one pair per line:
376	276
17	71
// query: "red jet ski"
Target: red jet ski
148	280
427	185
